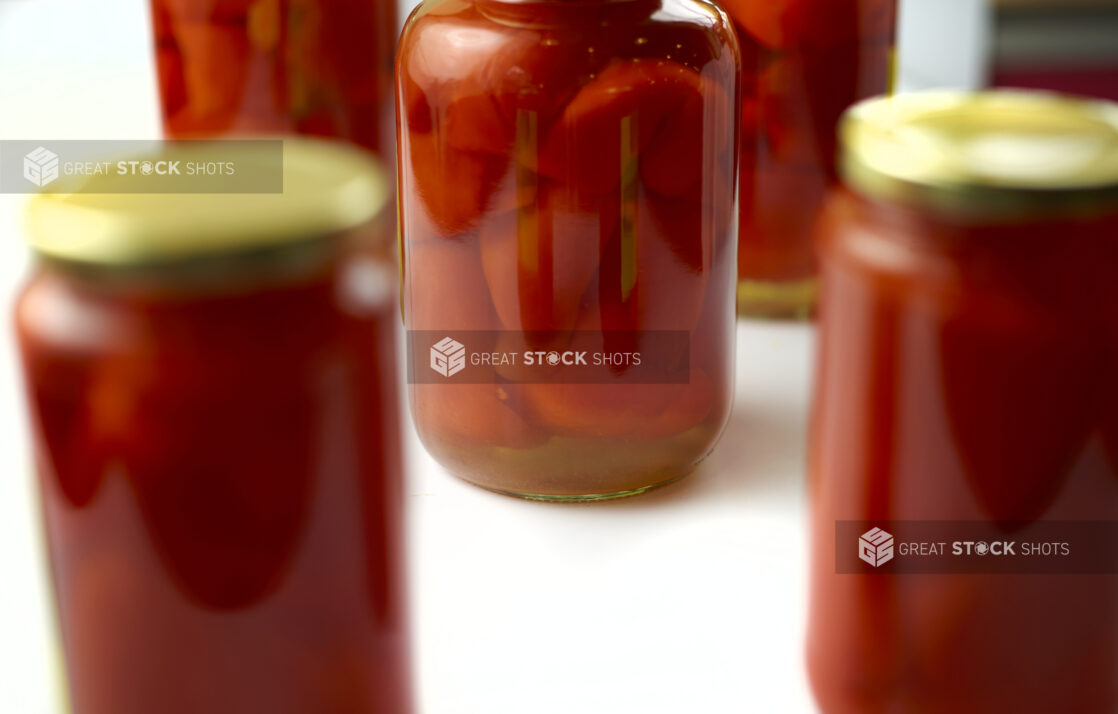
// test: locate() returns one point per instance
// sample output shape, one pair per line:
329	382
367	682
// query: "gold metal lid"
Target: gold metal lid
996	155
328	187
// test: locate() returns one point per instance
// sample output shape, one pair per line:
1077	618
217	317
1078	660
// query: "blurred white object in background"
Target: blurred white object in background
943	44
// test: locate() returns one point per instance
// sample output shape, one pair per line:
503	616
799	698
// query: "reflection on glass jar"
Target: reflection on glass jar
567	173
212	395
968	323
277	66
805	61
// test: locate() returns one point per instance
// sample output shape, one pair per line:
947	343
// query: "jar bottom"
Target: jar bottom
793	300
585	497
573	470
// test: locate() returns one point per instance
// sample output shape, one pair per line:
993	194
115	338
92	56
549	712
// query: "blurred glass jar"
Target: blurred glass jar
212	393
805	62
321	67
567	182
969	332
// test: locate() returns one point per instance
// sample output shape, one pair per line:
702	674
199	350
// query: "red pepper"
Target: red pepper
472	415
215	70
620	411
786	24
445	83
231	11
670	165
539	260
614	117
445	288
1017	372
452	188
654	276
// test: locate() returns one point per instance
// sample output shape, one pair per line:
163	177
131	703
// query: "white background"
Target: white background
690	599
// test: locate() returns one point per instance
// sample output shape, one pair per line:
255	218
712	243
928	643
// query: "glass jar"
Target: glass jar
212	395
277	66
968	321
805	62
567	184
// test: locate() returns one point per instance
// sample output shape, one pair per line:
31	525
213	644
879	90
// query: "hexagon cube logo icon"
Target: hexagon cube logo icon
876	547
40	167
448	357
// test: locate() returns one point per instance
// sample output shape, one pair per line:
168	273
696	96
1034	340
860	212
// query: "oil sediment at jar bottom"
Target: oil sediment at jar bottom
566	467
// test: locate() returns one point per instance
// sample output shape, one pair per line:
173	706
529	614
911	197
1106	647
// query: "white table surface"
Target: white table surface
688	599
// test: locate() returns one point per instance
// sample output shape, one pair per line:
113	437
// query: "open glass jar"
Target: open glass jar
321	67
805	62
567	186
969	332
212	395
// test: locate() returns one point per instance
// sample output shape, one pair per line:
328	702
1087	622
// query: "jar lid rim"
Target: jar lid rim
1000	154
324	187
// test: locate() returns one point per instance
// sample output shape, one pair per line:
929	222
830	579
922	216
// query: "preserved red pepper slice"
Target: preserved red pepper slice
654	275
229	10
785	24
692	406
226	519
784	202
215	69
614	117
168	62
172	82
802	96
79	440
471	416
444	83
445	288
341	36
540	260
453	187
620	411
74	449
1017	373
672	164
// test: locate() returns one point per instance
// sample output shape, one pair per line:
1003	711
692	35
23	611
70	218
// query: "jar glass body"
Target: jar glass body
567	181
221	483
966	374
277	66
805	62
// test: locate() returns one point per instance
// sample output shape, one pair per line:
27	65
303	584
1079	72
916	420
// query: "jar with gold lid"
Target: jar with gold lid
567	186
321	67
211	387
804	63
966	384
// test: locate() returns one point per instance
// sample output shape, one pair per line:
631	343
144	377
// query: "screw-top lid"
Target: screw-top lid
328	187
998	155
